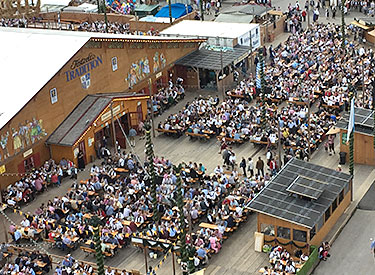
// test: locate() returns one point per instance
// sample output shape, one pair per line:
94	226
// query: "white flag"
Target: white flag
351	120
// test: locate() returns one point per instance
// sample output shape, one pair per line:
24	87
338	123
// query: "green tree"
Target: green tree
151	171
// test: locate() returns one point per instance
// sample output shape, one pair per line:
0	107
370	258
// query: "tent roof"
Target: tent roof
195	28
234	18
29	60
70	130
251	9
178	10
31	57
211	60
279	201
83	116
145	8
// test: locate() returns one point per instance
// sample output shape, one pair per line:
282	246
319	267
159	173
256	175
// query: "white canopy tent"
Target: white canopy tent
217	33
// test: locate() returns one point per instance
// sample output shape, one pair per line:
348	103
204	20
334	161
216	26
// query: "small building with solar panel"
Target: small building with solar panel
364	152
301	204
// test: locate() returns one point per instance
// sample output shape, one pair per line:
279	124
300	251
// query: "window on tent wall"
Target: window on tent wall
29	163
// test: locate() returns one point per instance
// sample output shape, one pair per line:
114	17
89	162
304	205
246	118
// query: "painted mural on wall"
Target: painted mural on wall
141	68
20	137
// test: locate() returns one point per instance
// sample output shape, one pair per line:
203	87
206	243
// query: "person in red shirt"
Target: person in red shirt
55	179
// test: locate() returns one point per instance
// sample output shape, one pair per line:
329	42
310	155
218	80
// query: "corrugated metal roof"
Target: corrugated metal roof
211	60
72	128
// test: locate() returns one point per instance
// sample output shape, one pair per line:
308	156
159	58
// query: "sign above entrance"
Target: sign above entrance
107	115
82	66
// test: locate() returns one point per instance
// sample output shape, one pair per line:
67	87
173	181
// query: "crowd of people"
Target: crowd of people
124	206
26	262
37	181
281	262
168	96
365	6
95	26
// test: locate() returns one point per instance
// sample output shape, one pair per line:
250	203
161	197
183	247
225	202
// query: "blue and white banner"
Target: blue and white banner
351	121
257	77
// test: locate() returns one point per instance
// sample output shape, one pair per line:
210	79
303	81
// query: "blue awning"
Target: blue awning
178	10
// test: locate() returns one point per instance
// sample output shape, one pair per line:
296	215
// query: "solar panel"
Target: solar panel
306	187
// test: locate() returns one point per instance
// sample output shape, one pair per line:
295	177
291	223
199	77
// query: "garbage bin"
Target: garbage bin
342	157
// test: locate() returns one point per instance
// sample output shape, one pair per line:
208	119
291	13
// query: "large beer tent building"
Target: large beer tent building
62	90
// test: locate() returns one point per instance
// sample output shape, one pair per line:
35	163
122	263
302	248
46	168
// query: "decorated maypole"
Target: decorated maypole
151	171
95	222
187	259
261	85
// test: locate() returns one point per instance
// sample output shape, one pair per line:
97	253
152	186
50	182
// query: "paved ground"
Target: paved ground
350	254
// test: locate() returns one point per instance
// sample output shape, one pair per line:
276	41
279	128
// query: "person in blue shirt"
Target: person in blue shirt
109	210
201	252
97	186
71	218
372	246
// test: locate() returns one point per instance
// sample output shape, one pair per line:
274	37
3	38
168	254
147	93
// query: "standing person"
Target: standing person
232	159
327	13
208	6
304	15
251	167
141	129
150	271
372	246
132	134
81	161
331	144
226	156
334	12
260	167
243	166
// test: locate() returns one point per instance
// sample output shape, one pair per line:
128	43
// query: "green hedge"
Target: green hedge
313	258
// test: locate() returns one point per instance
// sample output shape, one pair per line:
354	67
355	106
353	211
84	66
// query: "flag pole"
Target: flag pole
351	132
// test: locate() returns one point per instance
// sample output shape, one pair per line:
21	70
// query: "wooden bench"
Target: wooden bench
261	142
173	132
330	106
200	136
88	250
236	96
231	140
52	243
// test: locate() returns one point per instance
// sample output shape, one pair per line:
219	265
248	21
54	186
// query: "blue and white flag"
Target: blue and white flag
257	77
351	120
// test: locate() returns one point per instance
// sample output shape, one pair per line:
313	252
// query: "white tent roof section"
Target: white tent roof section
29	59
195	28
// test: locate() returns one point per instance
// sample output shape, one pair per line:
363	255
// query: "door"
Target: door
81	147
120	138
125	123
133	119
139	111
